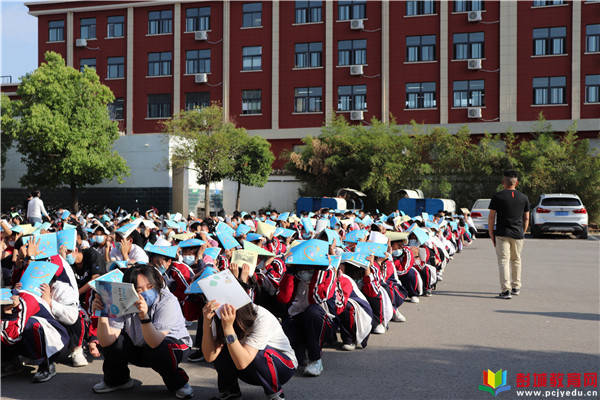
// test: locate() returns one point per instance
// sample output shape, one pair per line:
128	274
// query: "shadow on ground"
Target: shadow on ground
568	315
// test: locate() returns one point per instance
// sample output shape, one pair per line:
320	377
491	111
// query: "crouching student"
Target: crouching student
30	330
155	337
247	344
355	321
305	288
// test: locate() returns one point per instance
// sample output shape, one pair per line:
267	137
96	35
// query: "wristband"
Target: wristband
145	321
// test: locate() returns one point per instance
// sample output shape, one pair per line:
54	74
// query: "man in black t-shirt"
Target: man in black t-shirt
509	208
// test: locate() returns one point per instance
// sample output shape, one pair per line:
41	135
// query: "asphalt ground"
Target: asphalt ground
443	348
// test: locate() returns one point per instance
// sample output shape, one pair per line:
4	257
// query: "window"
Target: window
56	31
116	67
592	88
468	45
592	38
159	63
420	95
468	5
308	11
352	98
196	100
308	55
352	10
90	62
547	41
197	19
544	3
88	28
251	58
420	7
197	61
115	109
469	93
420	48
352	52
251	15
251	101
308	99
159	105
160	22
549	90
115	26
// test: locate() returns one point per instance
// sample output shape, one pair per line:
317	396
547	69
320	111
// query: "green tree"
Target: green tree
65	135
7	130
252	163
203	142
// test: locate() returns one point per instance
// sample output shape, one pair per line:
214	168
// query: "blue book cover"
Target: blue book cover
37	273
47	247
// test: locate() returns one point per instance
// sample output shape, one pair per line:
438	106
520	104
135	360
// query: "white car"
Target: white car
479	214
559	212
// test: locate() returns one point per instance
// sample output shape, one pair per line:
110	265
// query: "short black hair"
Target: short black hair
511	173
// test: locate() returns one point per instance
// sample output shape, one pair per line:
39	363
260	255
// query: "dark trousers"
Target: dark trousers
376	303
396	292
425	276
269	369
164	359
78	331
307	331
33	346
410	282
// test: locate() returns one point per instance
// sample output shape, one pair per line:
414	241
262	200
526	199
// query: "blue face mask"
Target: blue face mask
189	260
98	239
70	259
150	296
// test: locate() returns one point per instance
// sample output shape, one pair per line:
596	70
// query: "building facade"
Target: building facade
282	68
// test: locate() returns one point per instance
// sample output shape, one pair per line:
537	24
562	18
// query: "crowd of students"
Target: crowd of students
318	274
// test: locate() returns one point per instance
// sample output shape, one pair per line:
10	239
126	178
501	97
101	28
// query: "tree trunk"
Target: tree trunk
207	200
237	199
74	199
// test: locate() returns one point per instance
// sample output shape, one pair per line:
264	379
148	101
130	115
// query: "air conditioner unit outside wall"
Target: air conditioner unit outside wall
474	63
474	16
357	115
200	78
356	70
474	112
357	24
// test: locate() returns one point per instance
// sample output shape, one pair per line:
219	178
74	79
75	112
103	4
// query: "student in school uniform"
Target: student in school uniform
305	288
125	249
29	329
177	275
155	337
247	344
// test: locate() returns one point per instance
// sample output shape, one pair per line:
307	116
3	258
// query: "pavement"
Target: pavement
441	351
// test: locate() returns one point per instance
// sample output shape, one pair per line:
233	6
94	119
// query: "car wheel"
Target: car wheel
584	234
535	232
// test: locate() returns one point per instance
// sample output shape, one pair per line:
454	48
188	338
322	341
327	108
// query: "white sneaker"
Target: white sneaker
414	299
379	329
314	368
102	387
185	392
440	277
348	346
78	358
398	317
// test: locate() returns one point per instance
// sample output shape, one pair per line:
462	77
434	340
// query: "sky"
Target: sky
18	39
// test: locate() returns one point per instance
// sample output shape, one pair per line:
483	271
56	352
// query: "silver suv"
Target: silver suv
559	213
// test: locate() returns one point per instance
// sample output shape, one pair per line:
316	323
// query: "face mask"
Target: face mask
189	260
98	239
304	276
413	243
70	259
262	219
396	253
150	296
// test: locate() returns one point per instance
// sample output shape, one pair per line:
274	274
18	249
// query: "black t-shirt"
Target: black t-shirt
93	263
510	206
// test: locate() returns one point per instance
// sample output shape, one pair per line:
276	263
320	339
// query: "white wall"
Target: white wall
146	155
280	190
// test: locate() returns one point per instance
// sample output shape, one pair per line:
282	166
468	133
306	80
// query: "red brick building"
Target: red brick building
279	68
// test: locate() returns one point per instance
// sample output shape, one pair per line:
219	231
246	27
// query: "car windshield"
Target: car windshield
482	204
561	202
